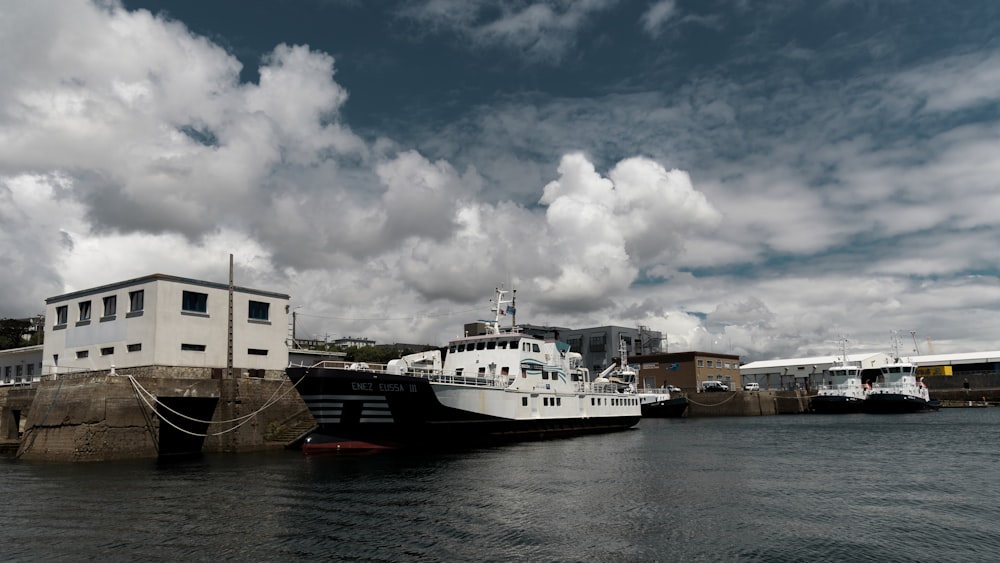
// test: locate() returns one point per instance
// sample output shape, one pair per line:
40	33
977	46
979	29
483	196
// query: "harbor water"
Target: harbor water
921	487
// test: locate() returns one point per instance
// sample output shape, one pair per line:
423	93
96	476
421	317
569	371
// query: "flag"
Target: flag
511	310
502	312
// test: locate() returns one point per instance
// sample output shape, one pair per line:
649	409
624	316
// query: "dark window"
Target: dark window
110	305
134	347
257	352
62	313
524	401
598	343
83	354
194	302
558	401
259	310
535	348
85	310
193	347
107	351
136	301
31	369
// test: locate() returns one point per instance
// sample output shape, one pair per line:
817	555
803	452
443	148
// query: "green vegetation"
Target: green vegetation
17	333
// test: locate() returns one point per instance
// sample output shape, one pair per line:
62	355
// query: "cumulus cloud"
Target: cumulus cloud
769	211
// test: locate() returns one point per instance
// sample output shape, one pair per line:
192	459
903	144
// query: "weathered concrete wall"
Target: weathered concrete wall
742	403
92	418
99	416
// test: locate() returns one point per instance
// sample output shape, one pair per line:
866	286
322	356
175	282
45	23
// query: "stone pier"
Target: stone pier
105	416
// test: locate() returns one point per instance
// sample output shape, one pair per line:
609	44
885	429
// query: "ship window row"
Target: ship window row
191	302
551	401
493	345
615	401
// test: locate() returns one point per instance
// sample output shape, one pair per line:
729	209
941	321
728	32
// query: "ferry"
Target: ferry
480	389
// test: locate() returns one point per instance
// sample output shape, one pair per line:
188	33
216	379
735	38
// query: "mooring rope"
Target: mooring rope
144	393
731	397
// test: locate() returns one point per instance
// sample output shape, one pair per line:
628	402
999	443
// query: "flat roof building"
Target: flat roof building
162	320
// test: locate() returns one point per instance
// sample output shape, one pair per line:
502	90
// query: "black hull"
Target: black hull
381	410
671	408
830	404
897	403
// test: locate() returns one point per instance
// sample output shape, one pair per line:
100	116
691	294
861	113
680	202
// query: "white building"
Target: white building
161	320
804	373
19	366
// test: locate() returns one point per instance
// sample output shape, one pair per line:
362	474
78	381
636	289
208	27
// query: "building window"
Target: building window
81	354
110	306
259	310
194	302
135	347
193	347
84	311
107	351
257	352
31	368
136	301
62	313
701	363
598	343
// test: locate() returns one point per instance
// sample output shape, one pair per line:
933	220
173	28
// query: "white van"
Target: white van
754	386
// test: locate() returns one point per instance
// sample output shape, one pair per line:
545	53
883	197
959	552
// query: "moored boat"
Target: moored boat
898	390
655	402
844	393
502	385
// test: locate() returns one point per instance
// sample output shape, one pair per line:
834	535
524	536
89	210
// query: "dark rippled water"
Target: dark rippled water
810	488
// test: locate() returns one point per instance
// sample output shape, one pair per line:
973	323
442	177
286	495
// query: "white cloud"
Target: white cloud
542	30
657	16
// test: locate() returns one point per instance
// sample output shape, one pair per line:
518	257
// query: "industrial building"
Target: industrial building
941	371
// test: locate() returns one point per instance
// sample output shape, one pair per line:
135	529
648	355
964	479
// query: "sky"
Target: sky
755	178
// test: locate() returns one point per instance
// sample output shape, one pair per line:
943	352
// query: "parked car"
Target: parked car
753	386
673	389
710	386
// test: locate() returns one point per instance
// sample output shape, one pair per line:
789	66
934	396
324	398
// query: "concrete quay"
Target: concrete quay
105	416
743	403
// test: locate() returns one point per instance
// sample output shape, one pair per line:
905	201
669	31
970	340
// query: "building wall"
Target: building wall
687	370
161	332
20	365
599	345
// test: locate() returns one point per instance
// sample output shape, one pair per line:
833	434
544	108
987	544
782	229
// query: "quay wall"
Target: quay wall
742	403
99	416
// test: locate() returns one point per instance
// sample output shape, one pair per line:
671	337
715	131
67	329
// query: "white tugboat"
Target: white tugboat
845	393
498	386
898	390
